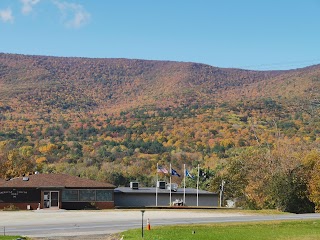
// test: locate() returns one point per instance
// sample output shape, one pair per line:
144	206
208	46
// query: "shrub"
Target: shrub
11	207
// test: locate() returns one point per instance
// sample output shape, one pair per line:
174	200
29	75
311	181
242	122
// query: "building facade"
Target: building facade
146	197
55	191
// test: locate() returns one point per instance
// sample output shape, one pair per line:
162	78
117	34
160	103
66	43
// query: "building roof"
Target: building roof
51	180
160	191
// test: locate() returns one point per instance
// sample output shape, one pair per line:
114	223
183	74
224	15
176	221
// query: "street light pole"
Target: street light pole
142	211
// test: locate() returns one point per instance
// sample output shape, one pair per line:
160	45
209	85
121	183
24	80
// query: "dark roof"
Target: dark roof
160	191
51	180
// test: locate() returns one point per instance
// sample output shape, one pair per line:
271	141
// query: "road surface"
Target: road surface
48	223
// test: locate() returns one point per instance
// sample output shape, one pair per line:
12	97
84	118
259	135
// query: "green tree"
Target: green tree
289	191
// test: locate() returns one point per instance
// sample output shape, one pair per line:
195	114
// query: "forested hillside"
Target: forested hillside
115	119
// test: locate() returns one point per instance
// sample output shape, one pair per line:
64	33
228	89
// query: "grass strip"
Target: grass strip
12	238
280	230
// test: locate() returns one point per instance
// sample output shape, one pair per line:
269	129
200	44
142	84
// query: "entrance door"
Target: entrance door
54	199
51	199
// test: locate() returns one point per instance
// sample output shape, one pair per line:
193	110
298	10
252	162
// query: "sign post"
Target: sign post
142	211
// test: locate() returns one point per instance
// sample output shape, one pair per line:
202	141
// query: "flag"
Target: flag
162	169
188	174
174	173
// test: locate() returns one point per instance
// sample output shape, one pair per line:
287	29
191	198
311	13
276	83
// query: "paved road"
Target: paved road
46	223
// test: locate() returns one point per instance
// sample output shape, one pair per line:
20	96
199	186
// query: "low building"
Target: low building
146	197
40	191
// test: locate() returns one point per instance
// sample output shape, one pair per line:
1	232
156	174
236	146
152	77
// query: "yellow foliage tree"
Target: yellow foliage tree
47	148
26	151
41	160
15	165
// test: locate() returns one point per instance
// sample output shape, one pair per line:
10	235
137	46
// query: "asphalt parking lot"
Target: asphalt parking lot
103	224
51	224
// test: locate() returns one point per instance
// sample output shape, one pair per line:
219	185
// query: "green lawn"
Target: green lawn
293	230
11	237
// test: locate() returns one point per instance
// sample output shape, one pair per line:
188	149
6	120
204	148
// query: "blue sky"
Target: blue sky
251	34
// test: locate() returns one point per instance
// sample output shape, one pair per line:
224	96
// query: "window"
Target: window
87	195
104	195
70	195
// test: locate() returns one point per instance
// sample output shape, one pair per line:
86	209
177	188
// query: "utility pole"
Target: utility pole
221	191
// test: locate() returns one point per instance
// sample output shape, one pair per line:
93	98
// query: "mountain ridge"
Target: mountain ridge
126	83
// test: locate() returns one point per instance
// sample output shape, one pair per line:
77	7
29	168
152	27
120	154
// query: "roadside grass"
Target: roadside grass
260	212
244	211
280	230
214	210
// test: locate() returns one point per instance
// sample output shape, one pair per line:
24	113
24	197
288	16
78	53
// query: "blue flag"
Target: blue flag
188	174
174	173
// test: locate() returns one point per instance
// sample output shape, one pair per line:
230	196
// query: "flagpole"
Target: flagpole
198	186
157	187
184	185
170	183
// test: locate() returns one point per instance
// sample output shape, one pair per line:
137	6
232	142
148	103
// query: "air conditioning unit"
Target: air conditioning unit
161	184
134	185
25	179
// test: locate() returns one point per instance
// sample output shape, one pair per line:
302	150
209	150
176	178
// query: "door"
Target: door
46	200
51	199
54	199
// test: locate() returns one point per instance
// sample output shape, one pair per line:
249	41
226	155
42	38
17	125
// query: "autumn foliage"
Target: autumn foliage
115	119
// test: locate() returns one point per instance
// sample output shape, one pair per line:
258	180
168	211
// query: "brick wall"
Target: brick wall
87	205
21	206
